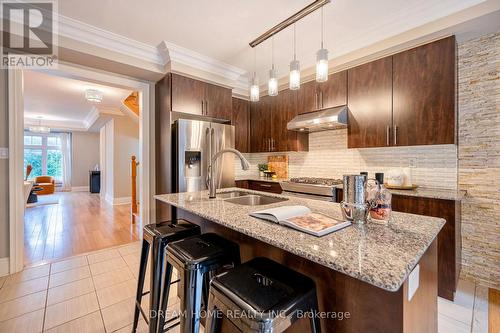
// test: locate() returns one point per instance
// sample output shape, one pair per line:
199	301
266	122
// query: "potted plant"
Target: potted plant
262	167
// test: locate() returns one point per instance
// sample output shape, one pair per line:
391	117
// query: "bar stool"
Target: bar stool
270	297
197	259
157	235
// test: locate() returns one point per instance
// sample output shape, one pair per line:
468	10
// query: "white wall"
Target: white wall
126	144
85	155
4	168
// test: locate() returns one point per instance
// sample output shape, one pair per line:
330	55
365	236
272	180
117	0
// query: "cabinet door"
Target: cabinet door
280	117
260	125
218	102
187	94
241	123
370	104
308	97
334	91
424	94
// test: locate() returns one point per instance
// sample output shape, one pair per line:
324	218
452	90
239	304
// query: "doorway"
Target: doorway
116	214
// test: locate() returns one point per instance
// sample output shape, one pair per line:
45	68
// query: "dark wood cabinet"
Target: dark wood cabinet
334	91
370	104
187	94
260	125
241	123
424	94
313	96
307	98
269	118
449	238
260	185
218	102
406	99
201	98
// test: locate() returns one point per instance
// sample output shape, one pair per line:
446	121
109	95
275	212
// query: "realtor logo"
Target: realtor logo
28	34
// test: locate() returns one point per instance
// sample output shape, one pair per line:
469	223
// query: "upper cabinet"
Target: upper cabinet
370	104
313	96
424	94
197	97
241	122
406	99
268	120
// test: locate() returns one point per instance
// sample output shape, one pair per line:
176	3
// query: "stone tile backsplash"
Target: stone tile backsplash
328	156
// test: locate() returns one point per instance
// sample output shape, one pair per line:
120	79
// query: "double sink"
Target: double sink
248	199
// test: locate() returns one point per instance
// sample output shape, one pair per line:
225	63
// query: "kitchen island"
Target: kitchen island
361	272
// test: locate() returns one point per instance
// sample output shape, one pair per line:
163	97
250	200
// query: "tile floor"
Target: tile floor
94	293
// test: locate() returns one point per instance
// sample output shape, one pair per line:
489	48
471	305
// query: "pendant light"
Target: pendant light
254	85
272	85
294	66
322	58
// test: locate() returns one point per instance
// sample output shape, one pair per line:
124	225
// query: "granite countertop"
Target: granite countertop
381	255
424	192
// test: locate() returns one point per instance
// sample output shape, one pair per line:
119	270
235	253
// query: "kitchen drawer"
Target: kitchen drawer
265	186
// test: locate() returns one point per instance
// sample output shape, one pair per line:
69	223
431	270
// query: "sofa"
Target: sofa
47	183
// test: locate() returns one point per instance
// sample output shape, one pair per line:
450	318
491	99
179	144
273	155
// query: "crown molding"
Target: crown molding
91	118
86	33
173	53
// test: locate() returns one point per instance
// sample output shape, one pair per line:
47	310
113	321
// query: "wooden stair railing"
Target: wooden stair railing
135	211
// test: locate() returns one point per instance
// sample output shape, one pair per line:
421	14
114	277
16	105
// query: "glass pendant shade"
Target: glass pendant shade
322	65
254	90
272	85
294	75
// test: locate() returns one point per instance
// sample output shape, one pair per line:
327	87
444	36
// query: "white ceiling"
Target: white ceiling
61	100
222	29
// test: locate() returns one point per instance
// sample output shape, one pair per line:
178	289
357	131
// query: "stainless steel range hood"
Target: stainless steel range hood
322	120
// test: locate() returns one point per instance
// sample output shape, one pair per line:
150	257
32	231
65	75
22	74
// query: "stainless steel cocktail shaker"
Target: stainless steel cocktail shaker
354	206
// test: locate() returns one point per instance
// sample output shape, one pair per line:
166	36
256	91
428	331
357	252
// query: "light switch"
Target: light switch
413	282
4	153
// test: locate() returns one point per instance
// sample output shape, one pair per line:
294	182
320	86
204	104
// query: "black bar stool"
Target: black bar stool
270	297
197	259
158	236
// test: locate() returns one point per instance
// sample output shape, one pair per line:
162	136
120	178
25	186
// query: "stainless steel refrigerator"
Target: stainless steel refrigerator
194	142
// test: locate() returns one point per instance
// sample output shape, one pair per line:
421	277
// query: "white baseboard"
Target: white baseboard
4	266
80	189
122	201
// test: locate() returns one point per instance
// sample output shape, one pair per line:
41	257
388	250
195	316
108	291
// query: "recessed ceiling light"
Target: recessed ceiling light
93	95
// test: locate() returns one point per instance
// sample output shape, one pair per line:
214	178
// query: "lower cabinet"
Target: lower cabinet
258	185
449	239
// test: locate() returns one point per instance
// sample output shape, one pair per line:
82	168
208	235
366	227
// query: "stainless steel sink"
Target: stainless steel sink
255	200
232	194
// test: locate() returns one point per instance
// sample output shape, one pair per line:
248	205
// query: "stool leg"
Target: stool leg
315	322
164	297
156	274
213	316
190	322
140	283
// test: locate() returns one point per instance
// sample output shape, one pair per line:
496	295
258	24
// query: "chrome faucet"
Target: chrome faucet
245	165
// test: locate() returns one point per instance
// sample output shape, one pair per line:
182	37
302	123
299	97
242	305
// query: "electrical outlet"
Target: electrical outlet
4	153
412	162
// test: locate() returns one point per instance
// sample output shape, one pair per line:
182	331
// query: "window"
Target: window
44	154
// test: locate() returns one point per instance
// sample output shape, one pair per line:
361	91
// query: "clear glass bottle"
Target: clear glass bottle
380	201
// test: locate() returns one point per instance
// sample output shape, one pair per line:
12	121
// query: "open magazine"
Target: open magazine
302	219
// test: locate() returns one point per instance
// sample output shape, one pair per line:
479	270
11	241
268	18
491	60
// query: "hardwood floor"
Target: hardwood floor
494	310
80	223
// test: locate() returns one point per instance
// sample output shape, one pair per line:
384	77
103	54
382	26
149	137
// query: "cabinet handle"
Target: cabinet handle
268	144
206	108
388	131
265	185
272	145
321	94
395	135
316	101
202	107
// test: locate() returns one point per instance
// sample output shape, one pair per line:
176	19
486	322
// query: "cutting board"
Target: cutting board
279	165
